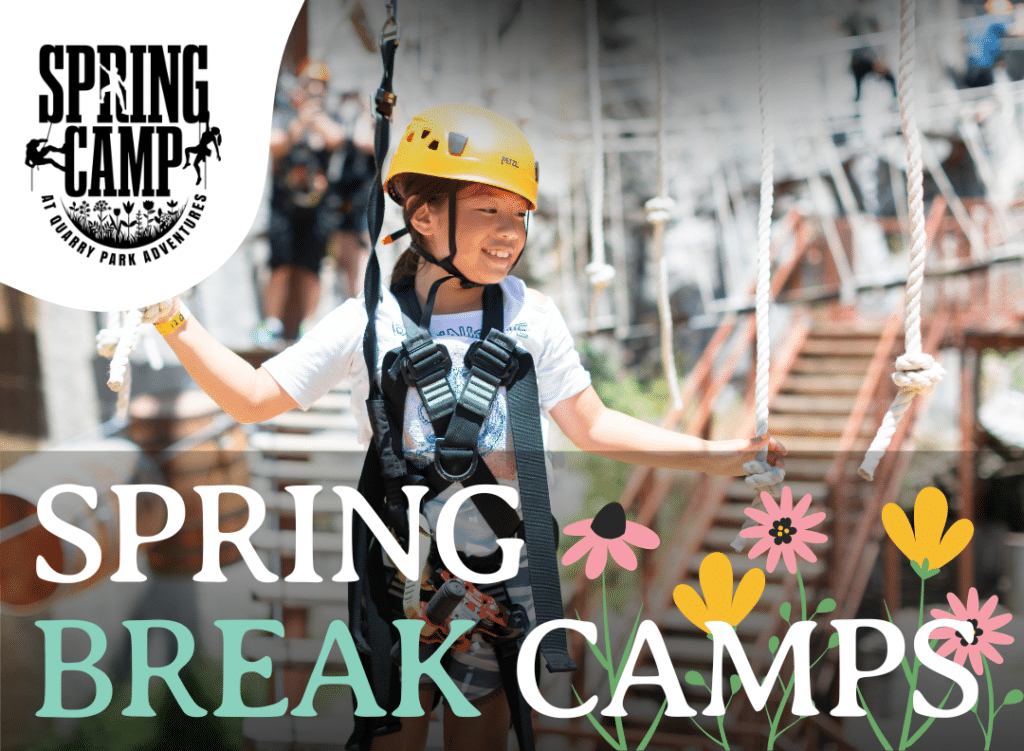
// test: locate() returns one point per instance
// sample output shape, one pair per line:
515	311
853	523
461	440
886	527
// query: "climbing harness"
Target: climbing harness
494	362
916	372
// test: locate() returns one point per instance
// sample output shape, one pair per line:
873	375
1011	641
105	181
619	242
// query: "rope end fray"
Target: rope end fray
917	373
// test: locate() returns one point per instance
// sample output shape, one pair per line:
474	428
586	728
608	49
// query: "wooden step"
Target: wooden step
739	491
297	420
841	346
325	502
676	623
341	468
324	732
806	468
302	443
720	539
841	385
802	444
811	572
338	401
813	404
854	328
302	594
810	424
284	541
831	365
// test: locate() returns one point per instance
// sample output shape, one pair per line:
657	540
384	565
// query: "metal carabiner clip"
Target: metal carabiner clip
391	29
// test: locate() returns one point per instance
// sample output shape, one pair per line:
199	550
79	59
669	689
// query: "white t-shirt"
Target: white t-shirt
332	351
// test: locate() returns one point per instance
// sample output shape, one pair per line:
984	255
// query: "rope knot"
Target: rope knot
763	476
659	209
917	373
600	274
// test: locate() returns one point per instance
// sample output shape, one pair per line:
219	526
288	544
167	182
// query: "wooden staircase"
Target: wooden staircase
829	388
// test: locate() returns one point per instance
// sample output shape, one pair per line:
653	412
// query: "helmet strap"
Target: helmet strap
448	263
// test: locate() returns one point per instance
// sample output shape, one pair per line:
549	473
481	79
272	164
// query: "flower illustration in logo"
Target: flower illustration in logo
784	530
986	632
719	603
608	532
925	542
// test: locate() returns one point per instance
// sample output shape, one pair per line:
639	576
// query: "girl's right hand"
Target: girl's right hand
161	311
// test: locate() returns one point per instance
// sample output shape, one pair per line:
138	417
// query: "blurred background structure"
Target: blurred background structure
582	80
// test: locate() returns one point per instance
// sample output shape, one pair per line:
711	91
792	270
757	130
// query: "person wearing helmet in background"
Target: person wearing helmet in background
303	138
454	324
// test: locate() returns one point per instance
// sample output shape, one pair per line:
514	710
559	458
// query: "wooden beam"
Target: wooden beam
970	364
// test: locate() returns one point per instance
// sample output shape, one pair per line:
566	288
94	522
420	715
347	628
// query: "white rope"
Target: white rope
600	272
659	210
916	371
761	476
118	338
131	322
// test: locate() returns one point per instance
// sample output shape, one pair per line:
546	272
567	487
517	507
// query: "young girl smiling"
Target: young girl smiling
467	180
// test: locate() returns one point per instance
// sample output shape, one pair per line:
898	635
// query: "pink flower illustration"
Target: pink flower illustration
985	630
784	530
608	532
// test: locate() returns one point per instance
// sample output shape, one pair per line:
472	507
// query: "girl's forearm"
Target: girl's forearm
244	392
618	436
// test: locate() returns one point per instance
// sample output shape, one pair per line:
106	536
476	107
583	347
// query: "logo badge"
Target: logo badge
143	157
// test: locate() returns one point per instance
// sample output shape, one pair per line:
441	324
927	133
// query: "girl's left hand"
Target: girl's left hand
726	458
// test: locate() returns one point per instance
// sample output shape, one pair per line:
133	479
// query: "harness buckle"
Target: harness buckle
424	361
457	456
495	356
385	100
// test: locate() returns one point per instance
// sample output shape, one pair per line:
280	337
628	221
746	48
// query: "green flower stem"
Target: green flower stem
723	743
909	714
874	725
991	702
721	731
928	722
773	727
803	594
598	727
654	726
613	678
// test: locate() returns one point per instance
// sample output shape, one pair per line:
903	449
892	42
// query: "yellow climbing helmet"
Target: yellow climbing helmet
462	142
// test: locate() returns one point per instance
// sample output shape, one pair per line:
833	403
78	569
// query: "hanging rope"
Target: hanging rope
117	340
599	271
762	476
916	372
659	211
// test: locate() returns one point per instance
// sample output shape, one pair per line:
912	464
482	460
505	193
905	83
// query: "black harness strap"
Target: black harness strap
382	472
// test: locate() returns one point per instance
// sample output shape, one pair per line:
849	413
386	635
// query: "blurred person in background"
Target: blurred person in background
983	39
866	60
303	138
350	175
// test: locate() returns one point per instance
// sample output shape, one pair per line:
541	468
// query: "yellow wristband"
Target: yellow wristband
177	320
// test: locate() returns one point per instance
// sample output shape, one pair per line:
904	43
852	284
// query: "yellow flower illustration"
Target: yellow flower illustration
926	541
716	584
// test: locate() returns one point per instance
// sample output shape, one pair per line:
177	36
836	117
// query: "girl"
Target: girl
466	179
